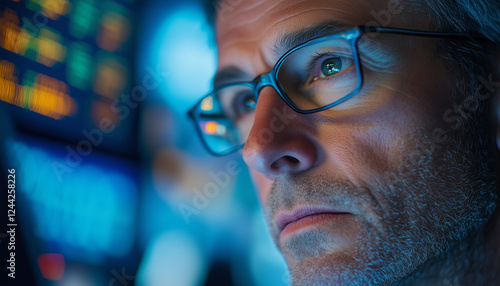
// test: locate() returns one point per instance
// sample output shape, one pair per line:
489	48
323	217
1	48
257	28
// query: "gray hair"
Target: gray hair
466	60
481	16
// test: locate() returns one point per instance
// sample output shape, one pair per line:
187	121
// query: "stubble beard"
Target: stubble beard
408	217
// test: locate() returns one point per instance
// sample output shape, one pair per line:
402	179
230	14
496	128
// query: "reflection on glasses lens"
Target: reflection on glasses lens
319	74
225	117
314	76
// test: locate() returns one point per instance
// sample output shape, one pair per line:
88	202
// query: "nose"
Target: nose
280	141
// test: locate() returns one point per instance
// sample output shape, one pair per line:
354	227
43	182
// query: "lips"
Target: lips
287	218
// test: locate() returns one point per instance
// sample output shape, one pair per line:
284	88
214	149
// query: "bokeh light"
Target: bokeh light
184	47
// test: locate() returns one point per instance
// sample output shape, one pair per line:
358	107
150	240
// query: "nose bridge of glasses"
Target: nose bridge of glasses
262	81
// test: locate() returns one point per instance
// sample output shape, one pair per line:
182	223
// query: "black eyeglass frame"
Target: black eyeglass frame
271	79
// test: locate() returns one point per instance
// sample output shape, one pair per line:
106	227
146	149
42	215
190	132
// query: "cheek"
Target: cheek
384	141
378	137
264	185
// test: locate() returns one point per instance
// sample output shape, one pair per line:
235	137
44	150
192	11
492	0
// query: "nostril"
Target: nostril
285	161
291	159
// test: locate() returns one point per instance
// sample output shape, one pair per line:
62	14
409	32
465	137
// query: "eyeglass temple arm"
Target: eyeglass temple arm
430	34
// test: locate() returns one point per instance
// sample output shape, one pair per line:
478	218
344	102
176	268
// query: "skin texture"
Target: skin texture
412	204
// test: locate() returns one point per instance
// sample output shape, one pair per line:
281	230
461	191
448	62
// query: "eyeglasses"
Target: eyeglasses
314	76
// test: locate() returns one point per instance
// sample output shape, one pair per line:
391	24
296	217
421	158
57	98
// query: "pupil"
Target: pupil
250	104
331	66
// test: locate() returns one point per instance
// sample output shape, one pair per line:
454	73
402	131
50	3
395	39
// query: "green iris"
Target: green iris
331	66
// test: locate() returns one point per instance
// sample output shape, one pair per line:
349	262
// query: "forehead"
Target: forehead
247	30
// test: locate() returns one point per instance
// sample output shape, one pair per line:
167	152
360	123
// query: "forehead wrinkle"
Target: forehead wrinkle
303	11
269	13
233	36
345	10
252	5
307	11
253	35
256	17
258	35
244	32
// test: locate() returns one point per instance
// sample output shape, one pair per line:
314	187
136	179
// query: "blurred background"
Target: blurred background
112	185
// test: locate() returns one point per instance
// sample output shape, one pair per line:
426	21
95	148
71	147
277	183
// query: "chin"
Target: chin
318	259
355	254
335	269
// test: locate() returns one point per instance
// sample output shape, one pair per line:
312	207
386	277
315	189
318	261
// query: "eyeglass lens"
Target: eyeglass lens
311	77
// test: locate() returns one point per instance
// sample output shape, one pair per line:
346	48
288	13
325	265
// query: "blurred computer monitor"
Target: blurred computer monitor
66	70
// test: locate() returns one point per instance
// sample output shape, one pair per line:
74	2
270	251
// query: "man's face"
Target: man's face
360	193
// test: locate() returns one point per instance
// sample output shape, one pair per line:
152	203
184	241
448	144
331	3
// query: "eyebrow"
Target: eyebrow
228	75
290	40
283	44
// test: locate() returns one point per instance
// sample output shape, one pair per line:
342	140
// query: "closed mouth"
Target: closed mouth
287	218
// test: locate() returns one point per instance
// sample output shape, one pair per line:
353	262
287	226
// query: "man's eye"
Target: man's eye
325	67
244	103
249	103
331	66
